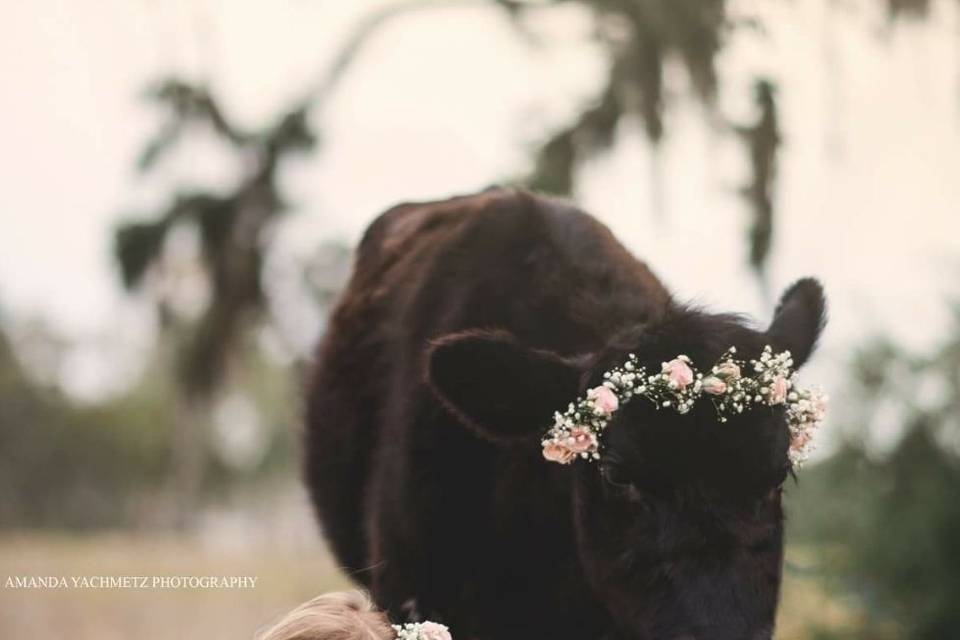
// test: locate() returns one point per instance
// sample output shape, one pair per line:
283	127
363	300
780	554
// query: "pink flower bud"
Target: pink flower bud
728	370
434	631
556	452
819	406
714	385
800	439
603	399
679	373
778	390
581	439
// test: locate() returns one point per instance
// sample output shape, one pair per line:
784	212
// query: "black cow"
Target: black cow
466	324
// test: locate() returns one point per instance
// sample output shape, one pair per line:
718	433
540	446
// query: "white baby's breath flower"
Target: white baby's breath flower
678	385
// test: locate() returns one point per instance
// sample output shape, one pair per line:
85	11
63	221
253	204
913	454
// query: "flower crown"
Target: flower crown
422	631
576	432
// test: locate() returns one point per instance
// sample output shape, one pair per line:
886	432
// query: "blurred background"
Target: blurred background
182	183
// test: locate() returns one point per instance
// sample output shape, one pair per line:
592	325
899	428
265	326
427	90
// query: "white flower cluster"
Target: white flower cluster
576	432
769	386
806	409
422	631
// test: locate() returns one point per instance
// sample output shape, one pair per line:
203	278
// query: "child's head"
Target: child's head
345	615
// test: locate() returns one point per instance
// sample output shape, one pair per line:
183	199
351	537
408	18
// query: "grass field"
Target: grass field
285	578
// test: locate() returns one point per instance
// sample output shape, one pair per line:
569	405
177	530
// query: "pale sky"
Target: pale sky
449	101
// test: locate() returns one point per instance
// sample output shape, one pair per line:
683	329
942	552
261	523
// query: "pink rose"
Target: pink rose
800	439
556	452
819	406
714	385
603	399
728	370
434	631
778	390
679	373
581	439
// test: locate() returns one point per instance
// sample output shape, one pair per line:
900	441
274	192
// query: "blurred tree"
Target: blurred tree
894	511
763	141
103	465
233	227
79	467
640	38
234	230
909	8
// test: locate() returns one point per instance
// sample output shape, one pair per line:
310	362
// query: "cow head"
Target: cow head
679	524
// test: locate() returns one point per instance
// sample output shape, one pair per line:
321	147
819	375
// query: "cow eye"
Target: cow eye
636	496
623	485
614	475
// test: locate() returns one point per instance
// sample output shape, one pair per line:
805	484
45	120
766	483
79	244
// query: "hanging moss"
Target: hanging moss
915	9
639	36
762	140
232	227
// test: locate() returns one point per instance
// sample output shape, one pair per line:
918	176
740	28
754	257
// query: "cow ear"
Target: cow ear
799	320
500	388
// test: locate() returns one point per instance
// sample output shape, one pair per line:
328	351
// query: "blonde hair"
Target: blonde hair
344	615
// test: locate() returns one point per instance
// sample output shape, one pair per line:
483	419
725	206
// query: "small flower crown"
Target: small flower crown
576	432
422	631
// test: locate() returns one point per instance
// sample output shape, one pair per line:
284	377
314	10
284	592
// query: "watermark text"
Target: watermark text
130	582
